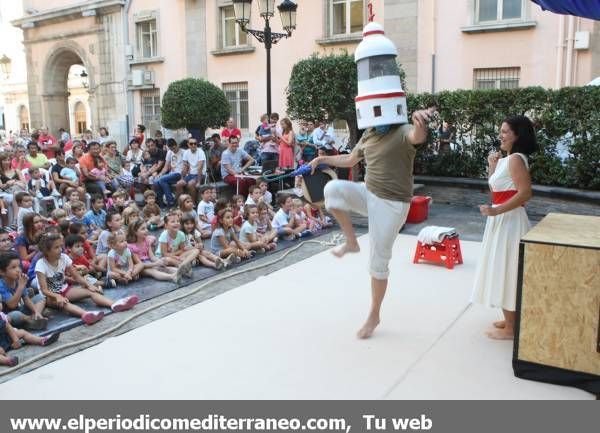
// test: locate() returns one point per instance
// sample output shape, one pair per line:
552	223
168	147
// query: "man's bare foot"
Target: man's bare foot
501	334
345	248
367	329
500	324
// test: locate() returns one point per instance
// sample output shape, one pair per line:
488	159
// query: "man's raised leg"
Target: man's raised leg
340	197
345	222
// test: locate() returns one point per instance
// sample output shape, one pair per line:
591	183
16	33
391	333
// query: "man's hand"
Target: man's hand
314	164
420	118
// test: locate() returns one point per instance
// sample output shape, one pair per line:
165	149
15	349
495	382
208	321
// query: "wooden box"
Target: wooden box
558	303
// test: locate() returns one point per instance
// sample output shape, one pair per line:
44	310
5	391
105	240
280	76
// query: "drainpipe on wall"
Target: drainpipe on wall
560	52
570	40
433	43
576	52
130	115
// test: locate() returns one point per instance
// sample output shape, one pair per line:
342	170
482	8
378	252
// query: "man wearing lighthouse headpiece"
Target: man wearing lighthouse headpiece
388	147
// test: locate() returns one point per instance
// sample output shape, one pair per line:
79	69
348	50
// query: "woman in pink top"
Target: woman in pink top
287	142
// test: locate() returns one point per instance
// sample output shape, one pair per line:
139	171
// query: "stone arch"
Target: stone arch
55	94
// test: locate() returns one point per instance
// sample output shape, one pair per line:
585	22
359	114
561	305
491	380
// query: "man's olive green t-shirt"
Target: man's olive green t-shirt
389	159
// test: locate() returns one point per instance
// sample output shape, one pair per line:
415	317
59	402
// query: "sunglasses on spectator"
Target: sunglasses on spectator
192	143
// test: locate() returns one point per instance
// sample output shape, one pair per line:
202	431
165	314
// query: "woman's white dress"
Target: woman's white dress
496	275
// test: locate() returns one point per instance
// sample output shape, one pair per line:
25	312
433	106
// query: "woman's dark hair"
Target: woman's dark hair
6	258
171	142
523	129
28	220
141	128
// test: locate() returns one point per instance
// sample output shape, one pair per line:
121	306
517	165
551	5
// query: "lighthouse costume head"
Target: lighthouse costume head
380	100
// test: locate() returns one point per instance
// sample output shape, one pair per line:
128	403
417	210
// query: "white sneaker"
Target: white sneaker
124	304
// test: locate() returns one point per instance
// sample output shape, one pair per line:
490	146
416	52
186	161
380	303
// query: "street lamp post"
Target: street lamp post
287	11
5	65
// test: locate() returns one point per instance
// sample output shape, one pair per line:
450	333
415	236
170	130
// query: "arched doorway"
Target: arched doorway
55	98
24	118
80	115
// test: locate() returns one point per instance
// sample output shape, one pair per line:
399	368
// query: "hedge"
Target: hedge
569	117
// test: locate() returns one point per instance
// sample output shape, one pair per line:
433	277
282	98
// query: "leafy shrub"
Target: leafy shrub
568	118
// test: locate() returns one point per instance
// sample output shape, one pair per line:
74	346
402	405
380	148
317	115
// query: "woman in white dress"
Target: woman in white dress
510	183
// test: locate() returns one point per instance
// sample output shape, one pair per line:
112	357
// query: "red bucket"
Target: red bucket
419	209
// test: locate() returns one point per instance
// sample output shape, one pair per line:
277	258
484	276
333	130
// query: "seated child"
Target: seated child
284	220
51	272
99	171
300	216
224	241
249	235
120	260
75	249
88	258
171	245
70	172
237	207
206	211
71	196
38	186
193	239
140	245
316	214
58	215
95	218
254	195
151	211
23	310
267	196
119	201
11	338
25	202
130	214
6	241
264	229
147	163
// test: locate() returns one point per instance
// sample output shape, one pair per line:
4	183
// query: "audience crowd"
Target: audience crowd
71	226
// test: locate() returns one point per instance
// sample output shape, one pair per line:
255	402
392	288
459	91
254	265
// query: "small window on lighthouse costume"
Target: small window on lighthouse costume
377	111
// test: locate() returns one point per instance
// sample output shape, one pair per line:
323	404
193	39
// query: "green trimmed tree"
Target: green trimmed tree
194	104
324	87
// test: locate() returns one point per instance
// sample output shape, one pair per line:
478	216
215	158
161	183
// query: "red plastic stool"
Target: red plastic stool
446	252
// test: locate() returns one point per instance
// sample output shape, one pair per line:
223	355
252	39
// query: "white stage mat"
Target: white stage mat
291	335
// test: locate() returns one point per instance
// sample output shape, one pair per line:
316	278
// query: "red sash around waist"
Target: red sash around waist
499	197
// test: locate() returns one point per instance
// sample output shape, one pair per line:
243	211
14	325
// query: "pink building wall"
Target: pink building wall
534	50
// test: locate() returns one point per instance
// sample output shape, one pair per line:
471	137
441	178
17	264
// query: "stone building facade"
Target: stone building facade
132	49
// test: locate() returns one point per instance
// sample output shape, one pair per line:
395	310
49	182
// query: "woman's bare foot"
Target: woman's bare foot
345	248
367	329
501	324
501	334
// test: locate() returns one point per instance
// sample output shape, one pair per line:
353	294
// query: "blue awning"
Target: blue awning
579	8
